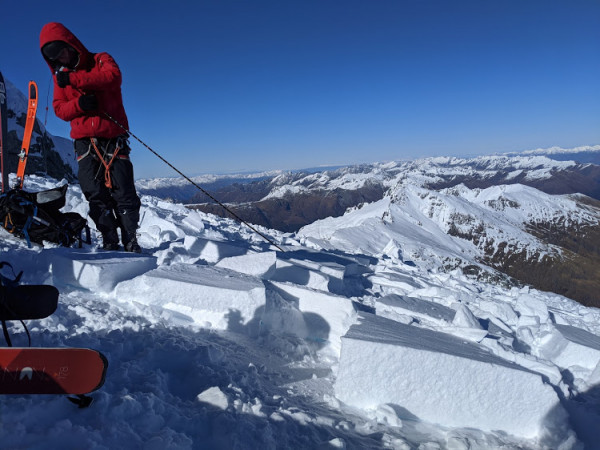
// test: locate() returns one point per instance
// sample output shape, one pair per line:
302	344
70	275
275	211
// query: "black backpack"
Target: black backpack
35	217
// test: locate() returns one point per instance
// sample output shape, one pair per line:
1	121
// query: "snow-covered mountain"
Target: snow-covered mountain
288	201
546	167
180	190
48	154
353	337
583	154
533	218
544	240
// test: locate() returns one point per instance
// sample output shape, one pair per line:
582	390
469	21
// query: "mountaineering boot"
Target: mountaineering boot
111	246
133	246
110	240
129	226
128	222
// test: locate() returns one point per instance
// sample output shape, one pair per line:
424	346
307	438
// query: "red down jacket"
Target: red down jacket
96	73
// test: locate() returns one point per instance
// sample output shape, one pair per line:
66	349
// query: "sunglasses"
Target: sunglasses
52	50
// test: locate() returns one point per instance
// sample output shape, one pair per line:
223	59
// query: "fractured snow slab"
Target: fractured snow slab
394	280
287	271
211	251
99	272
466	325
393	304
215	397
441	379
570	347
252	263
211	296
329	268
328	316
317	271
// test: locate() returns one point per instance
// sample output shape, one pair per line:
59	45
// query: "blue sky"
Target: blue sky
225	86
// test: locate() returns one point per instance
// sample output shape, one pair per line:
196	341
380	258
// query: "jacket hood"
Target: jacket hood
55	31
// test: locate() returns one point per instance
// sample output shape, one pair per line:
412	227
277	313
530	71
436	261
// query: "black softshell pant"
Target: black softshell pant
110	208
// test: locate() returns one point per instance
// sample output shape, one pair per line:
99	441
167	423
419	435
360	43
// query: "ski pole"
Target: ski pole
112	119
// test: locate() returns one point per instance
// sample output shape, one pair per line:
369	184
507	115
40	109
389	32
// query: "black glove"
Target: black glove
62	79
88	102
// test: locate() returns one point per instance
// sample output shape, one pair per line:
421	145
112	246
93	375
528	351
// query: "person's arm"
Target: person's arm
65	108
105	75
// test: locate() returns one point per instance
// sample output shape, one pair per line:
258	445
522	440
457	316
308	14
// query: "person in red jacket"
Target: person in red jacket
87	93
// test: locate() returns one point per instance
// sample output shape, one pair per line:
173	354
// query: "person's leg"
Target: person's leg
91	180
127	202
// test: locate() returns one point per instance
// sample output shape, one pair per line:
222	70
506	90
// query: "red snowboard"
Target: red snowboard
51	370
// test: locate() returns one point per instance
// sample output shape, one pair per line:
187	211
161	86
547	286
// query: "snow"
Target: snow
327	317
556	149
411	219
571	347
351	338
215	397
439	378
213	297
96	271
252	263
393	305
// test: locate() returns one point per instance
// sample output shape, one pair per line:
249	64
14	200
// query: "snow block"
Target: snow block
466	325
441	379
329	268
156	229
328	317
256	264
214	397
570	347
99	272
392	305
212	297
397	281
287	271
211	251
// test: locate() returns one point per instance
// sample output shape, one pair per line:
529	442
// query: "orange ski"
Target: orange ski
30	122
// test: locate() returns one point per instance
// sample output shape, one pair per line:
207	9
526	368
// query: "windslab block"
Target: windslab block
99	272
252	263
287	271
441	379
328	316
211	251
571	347
211	296
415	307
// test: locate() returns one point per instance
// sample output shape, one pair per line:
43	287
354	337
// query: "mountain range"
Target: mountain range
532	217
260	196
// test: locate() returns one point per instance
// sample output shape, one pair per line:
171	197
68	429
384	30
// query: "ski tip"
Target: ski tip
32	91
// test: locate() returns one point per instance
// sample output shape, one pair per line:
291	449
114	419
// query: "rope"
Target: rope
239	219
107	180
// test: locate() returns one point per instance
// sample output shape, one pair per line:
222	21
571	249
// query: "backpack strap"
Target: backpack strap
26	227
6	281
6	335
